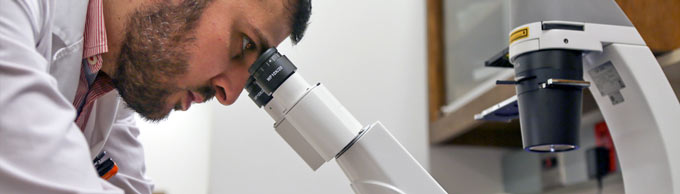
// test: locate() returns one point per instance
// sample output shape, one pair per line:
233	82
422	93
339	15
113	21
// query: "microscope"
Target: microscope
319	128
557	48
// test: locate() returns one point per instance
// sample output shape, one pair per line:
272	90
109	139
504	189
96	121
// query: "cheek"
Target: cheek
204	64
208	54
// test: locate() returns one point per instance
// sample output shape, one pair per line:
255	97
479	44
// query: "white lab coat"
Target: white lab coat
42	150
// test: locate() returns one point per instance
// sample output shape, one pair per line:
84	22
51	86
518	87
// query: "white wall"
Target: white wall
177	150
371	55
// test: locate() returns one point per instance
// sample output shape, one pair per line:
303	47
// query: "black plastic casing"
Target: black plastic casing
270	70
256	94
549	116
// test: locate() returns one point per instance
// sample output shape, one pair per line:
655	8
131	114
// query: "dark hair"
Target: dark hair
301	10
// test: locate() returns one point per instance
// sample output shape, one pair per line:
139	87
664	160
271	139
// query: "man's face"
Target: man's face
177	54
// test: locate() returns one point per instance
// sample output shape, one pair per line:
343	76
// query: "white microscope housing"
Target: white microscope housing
314	123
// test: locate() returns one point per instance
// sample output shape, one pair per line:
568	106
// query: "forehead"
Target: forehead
257	11
271	17
225	20
271	5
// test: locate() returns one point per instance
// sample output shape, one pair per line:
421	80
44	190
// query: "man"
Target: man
72	72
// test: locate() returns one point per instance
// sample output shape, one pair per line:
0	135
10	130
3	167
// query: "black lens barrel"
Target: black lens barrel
549	117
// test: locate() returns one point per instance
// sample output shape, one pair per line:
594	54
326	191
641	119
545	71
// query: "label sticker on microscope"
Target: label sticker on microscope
608	81
519	34
616	97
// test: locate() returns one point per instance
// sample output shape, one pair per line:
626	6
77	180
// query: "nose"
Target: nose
221	84
229	83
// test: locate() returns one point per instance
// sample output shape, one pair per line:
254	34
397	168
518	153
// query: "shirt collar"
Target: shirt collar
95	42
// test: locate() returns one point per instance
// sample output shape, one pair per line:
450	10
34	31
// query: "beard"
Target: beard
153	56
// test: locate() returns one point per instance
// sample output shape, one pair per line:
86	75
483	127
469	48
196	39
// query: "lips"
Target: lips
197	98
187	101
191	98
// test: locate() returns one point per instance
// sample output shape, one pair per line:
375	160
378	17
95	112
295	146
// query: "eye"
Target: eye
247	44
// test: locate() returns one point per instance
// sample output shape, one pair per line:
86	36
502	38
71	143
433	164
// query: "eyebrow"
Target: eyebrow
265	44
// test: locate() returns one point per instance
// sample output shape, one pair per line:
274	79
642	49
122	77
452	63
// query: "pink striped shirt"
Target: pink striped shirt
94	46
95	35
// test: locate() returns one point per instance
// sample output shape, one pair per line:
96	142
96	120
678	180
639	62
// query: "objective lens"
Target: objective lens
549	117
551	148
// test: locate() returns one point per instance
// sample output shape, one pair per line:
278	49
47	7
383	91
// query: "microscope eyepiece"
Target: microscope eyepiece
266	55
270	70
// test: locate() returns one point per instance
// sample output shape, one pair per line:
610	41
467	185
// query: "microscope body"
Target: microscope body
638	104
319	128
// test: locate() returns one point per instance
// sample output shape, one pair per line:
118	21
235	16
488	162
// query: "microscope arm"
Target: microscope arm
314	123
